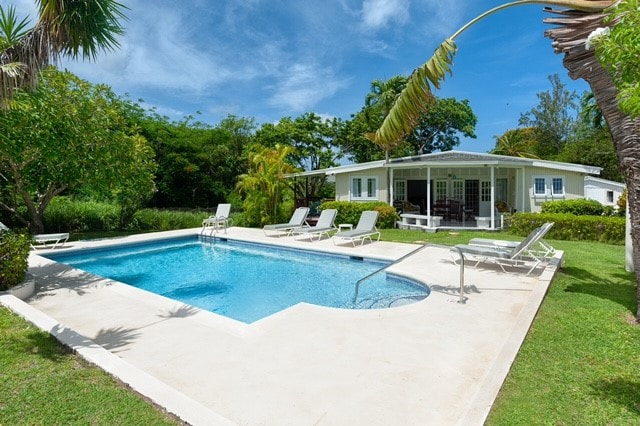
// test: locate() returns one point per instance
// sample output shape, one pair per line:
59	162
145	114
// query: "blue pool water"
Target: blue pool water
245	281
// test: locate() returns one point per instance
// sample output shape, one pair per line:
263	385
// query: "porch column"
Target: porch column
391	187
524	191
493	197
429	196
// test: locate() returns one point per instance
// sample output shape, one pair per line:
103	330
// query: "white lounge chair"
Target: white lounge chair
324	225
541	249
365	229
56	239
518	256
298	219
44	239
218	221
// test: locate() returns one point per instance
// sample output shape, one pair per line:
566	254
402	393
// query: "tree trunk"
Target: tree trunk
570	39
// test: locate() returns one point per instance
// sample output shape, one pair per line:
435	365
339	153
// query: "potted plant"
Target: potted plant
14	254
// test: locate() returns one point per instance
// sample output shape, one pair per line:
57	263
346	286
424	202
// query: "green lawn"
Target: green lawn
578	365
43	383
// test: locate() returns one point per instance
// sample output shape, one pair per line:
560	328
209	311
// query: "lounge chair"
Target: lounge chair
518	256
44	239
365	229
542	249
324	225
298	220
218	221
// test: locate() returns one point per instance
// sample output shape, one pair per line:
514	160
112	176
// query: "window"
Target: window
557	186
457	189
539	187
609	196
485	191
441	190
400	190
364	188
548	186
501	189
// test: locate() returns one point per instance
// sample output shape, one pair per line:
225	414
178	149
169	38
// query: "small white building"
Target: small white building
607	192
464	186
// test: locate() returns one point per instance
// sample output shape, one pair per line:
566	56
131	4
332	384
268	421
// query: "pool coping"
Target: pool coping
195	412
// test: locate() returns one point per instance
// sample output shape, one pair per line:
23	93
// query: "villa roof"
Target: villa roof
453	159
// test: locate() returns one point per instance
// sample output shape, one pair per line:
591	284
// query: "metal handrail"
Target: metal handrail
461	297
355	296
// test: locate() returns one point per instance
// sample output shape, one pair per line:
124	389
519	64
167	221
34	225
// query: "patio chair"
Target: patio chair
540	249
44	239
218	221
324	225
518	256
365	229
298	220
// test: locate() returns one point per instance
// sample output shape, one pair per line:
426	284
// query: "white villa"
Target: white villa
458	188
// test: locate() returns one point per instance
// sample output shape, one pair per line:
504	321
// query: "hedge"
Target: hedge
165	220
604	229
14	252
66	215
349	212
578	206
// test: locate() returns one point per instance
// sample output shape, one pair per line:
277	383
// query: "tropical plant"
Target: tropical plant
516	143
68	28
570	37
267	195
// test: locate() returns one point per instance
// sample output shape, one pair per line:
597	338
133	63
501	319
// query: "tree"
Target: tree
439	127
591	142
570	38
68	28
553	116
517	143
66	134
619	52
314	143
267	195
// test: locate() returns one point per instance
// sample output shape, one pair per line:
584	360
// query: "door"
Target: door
472	196
485	198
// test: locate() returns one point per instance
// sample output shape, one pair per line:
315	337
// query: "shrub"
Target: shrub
567	226
349	212
66	214
577	206
14	252
165	220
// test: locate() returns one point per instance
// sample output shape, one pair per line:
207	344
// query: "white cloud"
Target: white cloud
379	13
303	86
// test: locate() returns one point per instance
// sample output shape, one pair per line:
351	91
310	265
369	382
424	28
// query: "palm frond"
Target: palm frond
416	98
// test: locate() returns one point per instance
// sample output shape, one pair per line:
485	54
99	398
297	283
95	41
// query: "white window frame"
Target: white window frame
441	192
544	182
364	183
457	190
552	188
549	190
400	190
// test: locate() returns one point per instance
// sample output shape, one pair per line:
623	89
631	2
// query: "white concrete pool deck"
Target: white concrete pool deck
434	362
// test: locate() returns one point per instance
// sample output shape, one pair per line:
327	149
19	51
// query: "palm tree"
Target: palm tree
514	144
379	102
574	26
68	28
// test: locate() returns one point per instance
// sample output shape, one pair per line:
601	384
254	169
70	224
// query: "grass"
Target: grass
578	364
41	382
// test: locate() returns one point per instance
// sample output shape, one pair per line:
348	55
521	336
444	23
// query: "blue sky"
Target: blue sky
270	59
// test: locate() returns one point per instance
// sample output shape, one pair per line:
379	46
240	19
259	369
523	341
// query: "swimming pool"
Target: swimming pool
245	281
